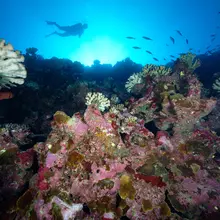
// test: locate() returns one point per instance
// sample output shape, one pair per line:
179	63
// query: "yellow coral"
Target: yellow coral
165	210
146	205
126	188
60	117
155	71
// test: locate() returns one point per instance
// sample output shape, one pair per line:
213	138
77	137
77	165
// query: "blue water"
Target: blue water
109	22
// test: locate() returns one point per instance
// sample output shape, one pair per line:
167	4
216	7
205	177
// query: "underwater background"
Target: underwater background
109	23
110	109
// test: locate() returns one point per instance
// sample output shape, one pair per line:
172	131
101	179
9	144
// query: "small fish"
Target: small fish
208	47
172	56
148	52
137	48
133	38
216	157
146	38
212	35
182	73
187	41
173	60
179	32
167	45
172	39
190	49
164	58
218	27
155	59
213	39
6	95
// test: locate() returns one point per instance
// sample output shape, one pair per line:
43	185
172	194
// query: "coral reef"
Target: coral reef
108	164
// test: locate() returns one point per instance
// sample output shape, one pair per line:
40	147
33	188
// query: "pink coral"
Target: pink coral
50	160
100	173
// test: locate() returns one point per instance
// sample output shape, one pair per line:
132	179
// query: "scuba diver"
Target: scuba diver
73	30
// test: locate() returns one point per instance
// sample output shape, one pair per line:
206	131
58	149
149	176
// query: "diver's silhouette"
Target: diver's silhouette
73	30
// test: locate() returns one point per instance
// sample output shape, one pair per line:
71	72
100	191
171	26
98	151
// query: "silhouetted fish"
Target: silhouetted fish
137	48
208	47
187	41
190	49
216	157
172	56
148	52
172	39
146	38
167	45
164	58
133	38
155	59
179	32
213	39
212	35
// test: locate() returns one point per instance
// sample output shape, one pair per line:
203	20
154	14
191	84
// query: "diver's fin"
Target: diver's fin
50	22
48	35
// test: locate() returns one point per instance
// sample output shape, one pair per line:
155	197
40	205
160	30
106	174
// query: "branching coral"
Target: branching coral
137	81
155	71
190	61
216	85
12	71
97	99
134	79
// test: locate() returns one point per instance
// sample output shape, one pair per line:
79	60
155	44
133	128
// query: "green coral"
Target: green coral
190	60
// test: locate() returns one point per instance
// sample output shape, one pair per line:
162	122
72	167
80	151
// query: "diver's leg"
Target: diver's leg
50	22
65	34
62	28
48	35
